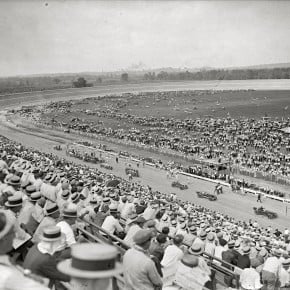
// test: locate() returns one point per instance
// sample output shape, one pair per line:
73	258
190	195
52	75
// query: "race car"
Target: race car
209	196
261	211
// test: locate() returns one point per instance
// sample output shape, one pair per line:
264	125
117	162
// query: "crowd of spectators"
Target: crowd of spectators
44	200
258	145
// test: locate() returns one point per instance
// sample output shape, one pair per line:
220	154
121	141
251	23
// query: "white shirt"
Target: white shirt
172	255
284	277
111	225
127	209
66	229
130	234
273	265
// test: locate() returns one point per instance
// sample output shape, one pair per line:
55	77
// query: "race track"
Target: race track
16	100
229	203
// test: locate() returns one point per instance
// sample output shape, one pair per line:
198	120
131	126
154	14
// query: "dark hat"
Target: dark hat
70	212
51	208
51	234
140	220
91	261
142	236
14	200
178	239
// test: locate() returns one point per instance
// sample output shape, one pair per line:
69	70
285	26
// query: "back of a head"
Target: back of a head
165	230
178	239
161	239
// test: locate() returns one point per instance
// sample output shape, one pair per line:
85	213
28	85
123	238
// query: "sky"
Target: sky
93	36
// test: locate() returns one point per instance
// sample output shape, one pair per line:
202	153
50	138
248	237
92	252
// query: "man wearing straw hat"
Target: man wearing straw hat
41	258
91	266
13	277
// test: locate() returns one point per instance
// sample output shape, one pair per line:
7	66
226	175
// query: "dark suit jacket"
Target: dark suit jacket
229	257
244	262
43	265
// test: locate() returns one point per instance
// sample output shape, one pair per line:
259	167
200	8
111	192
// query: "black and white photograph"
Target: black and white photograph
144	145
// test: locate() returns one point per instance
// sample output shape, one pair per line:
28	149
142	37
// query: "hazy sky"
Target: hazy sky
74	36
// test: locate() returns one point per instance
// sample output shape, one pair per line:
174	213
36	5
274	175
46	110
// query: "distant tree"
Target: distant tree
124	77
56	81
80	83
99	80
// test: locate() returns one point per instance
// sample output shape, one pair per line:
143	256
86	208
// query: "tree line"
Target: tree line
220	74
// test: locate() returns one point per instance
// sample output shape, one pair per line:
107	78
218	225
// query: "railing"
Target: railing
217	265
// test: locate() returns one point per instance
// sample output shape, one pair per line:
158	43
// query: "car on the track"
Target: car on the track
262	211
132	171
209	196
179	185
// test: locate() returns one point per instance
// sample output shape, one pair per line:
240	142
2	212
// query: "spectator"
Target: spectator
40	259
139	270
91	267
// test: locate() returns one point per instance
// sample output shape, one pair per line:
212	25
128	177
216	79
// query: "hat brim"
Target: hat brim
195	253
70	216
66	268
7	204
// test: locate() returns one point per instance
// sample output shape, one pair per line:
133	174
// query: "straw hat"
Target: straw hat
51	208
51	234
70	212
14	200
195	250
13	180
91	261
35	196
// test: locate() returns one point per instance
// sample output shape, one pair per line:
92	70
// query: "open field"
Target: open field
190	104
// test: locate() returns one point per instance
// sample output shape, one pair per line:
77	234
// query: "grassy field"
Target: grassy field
190	104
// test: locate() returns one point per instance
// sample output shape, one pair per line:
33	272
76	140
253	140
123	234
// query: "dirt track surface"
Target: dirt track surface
15	100
229	203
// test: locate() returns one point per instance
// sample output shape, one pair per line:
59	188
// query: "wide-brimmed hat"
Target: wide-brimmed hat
14	200
91	261
51	234
9	222
51	208
195	250
106	200
13	180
